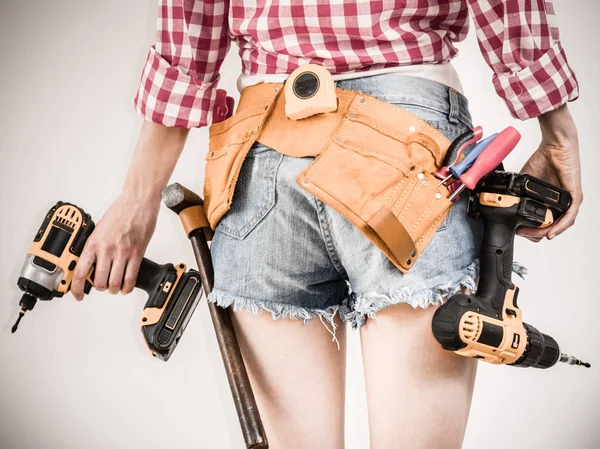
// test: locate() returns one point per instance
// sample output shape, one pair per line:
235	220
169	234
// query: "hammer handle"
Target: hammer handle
241	390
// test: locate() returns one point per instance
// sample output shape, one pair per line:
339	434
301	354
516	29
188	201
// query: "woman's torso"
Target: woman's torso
348	37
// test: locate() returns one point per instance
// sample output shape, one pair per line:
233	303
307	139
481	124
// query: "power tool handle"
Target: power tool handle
150	275
496	255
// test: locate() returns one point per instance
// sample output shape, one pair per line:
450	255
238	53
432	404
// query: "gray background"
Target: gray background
77	375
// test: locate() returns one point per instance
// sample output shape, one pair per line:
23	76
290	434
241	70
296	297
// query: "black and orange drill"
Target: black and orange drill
489	325
173	292
47	273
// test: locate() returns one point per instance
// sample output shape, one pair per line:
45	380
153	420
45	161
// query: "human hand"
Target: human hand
117	246
556	161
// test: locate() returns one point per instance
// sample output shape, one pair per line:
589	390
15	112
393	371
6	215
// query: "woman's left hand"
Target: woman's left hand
556	161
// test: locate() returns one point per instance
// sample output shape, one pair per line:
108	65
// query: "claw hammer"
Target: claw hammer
190	209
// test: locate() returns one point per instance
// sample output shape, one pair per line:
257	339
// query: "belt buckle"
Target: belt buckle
309	90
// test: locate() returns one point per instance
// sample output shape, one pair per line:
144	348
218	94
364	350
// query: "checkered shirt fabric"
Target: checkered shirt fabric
519	40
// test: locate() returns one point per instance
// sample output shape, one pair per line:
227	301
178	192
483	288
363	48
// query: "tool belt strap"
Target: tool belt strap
374	164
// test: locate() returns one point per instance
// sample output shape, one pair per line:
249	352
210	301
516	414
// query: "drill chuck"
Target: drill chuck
27	303
542	350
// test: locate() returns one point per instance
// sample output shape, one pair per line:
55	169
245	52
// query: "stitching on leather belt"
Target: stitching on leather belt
422	215
414	195
416	137
241	116
393	192
406	113
411	183
433	226
338	135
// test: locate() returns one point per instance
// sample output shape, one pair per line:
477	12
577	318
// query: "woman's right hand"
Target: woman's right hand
117	246
119	241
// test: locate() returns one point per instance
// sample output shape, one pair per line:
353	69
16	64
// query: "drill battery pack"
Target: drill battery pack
536	196
173	294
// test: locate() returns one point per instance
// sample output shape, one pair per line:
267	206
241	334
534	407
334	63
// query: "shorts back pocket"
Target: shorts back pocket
254	194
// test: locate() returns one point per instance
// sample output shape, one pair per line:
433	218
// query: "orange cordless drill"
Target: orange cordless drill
488	324
173	292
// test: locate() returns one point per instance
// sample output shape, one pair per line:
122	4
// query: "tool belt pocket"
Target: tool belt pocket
379	177
229	143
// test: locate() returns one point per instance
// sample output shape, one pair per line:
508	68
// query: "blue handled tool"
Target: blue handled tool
458	169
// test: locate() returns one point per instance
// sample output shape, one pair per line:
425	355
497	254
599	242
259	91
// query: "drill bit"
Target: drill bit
27	303
569	359
16	325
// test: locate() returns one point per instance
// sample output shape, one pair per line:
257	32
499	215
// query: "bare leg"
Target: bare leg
418	394
298	377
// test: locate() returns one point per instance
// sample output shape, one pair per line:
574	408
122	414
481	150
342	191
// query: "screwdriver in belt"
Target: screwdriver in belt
489	159
456	170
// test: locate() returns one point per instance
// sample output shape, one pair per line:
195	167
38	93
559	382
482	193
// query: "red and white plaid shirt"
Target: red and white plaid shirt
518	39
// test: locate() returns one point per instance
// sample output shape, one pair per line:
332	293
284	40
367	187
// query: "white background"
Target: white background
77	375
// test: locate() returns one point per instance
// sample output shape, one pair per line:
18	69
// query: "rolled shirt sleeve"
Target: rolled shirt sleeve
519	40
179	81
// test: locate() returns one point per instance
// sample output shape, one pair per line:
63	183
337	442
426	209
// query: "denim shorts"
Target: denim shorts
281	250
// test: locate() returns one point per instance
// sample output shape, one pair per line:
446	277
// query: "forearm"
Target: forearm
558	128
154	159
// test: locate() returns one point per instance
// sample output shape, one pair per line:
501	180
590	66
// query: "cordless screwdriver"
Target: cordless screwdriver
489	324
47	273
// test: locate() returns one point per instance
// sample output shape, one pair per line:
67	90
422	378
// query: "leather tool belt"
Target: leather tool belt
373	164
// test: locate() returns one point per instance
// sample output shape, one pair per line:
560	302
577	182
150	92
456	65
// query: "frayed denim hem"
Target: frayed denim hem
356	309
367	305
281	310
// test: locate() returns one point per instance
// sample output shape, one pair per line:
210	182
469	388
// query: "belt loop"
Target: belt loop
454	106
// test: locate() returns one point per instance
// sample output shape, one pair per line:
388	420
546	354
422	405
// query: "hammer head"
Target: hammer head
177	198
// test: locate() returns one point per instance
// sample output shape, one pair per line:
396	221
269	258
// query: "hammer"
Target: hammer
190	208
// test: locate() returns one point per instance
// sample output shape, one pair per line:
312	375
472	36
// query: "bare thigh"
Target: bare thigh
418	394
298	377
